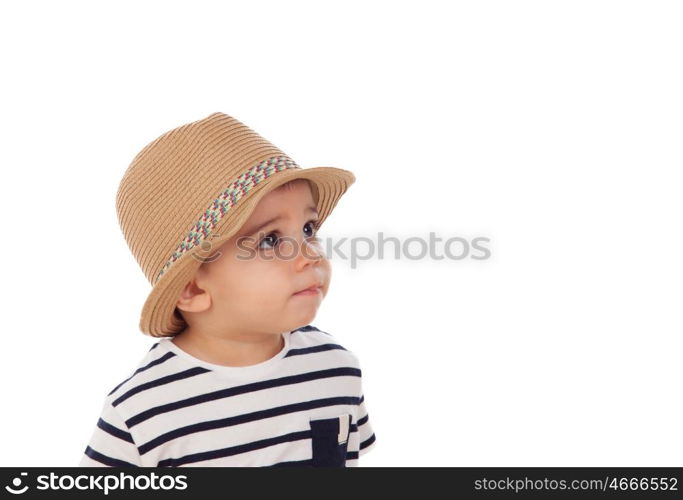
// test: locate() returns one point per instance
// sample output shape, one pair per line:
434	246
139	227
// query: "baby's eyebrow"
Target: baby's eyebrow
250	232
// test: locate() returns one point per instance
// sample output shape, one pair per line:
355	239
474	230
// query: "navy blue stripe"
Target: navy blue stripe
353	455
309	328
247	447
154	346
367	442
361	421
104	459
315	348
247	417
242	389
161	381
234	450
362	398
114	431
149	365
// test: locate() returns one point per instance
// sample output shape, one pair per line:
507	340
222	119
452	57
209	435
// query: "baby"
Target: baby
224	225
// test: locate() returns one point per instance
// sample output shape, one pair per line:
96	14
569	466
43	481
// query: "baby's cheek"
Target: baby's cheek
326	269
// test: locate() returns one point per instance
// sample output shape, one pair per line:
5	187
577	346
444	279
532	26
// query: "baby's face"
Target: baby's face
253	282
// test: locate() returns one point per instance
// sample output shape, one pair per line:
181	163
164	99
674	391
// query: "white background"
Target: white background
552	128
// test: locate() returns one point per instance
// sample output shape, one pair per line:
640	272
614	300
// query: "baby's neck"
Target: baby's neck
229	351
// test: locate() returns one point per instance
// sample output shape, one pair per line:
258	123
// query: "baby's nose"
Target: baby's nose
303	250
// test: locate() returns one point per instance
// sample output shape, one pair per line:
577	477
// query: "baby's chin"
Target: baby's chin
303	314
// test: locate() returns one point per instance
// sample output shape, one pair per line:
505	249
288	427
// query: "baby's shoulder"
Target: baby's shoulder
154	365
309	338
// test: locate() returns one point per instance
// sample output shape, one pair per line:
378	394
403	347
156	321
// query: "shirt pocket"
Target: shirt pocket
330	438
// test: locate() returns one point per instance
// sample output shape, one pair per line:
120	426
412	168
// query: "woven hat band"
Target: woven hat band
227	199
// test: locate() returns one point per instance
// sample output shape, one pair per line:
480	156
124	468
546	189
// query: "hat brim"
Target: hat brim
158	317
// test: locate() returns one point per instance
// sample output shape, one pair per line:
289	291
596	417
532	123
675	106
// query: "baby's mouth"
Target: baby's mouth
311	290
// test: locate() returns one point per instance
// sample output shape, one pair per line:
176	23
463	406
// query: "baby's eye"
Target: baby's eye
312	227
270	239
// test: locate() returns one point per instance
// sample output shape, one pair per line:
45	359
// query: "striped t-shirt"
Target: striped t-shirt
303	407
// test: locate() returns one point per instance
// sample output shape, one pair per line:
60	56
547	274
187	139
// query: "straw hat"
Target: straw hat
192	189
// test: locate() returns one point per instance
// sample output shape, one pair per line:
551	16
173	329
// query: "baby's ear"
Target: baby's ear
192	298
189	290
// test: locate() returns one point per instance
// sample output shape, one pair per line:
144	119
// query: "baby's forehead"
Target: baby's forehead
291	196
290	199
303	185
